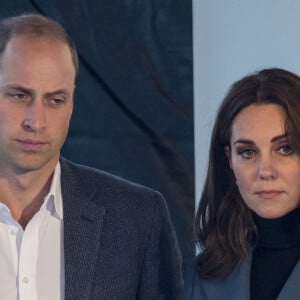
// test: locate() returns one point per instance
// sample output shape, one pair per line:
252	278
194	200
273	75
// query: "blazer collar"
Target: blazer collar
83	224
236	286
291	288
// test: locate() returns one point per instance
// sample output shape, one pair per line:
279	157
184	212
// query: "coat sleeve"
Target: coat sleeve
161	276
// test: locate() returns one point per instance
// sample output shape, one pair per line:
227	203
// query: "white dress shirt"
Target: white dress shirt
32	260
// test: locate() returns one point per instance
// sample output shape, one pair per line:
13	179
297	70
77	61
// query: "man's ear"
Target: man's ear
227	150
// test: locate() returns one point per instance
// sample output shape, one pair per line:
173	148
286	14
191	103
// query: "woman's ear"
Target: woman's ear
227	150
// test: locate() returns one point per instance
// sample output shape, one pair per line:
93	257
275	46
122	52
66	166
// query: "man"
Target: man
68	231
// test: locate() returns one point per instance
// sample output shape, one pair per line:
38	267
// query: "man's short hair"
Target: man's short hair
35	25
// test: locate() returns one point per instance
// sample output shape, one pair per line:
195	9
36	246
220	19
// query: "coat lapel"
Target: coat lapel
83	223
235	286
291	289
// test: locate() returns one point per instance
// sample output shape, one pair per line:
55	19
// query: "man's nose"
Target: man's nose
35	116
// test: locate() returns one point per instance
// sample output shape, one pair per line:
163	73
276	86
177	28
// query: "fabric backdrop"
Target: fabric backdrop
133	113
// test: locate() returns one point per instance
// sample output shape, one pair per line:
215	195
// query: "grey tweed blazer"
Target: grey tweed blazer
236	286
118	239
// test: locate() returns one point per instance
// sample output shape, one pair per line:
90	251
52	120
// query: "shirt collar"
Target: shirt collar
54	196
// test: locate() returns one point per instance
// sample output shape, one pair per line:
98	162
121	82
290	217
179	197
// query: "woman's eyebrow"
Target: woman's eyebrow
279	137
273	140
244	141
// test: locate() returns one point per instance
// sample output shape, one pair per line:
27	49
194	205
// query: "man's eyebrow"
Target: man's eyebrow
58	92
31	91
17	88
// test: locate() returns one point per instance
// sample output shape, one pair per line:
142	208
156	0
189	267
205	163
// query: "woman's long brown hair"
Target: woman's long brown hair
224	228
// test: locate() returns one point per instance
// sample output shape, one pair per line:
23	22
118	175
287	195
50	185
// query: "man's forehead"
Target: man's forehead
32	39
28	47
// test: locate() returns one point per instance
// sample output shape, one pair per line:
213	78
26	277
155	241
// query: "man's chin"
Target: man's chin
32	164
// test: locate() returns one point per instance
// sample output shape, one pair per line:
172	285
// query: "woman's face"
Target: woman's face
266	168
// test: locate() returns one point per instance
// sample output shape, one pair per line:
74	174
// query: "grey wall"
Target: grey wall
231	39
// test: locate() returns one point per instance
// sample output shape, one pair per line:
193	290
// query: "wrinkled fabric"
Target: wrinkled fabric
133	113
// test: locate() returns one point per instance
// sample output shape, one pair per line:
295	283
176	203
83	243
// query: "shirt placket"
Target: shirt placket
28	260
15	234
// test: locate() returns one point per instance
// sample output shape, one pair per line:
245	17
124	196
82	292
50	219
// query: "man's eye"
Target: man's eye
18	96
285	150
246	153
56	101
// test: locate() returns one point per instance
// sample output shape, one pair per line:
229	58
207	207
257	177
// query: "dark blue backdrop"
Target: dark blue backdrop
133	111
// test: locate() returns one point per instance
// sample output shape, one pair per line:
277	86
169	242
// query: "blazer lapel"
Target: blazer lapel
291	289
236	286
83	223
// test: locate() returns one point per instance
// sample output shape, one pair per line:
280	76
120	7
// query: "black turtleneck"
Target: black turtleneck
275	255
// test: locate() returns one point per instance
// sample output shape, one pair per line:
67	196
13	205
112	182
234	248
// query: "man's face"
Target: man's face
36	100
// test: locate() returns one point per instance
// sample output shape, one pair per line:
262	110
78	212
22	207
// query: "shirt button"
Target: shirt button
25	279
12	232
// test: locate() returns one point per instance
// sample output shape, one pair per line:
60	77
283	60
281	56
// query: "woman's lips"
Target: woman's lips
269	194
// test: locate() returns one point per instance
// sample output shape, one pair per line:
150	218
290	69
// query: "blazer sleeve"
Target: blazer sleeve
161	276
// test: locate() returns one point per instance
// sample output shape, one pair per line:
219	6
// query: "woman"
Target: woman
248	221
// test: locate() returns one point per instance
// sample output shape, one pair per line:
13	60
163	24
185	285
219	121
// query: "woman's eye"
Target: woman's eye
285	150
247	153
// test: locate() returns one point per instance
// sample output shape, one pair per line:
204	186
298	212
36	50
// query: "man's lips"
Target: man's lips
269	194
33	142
31	145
